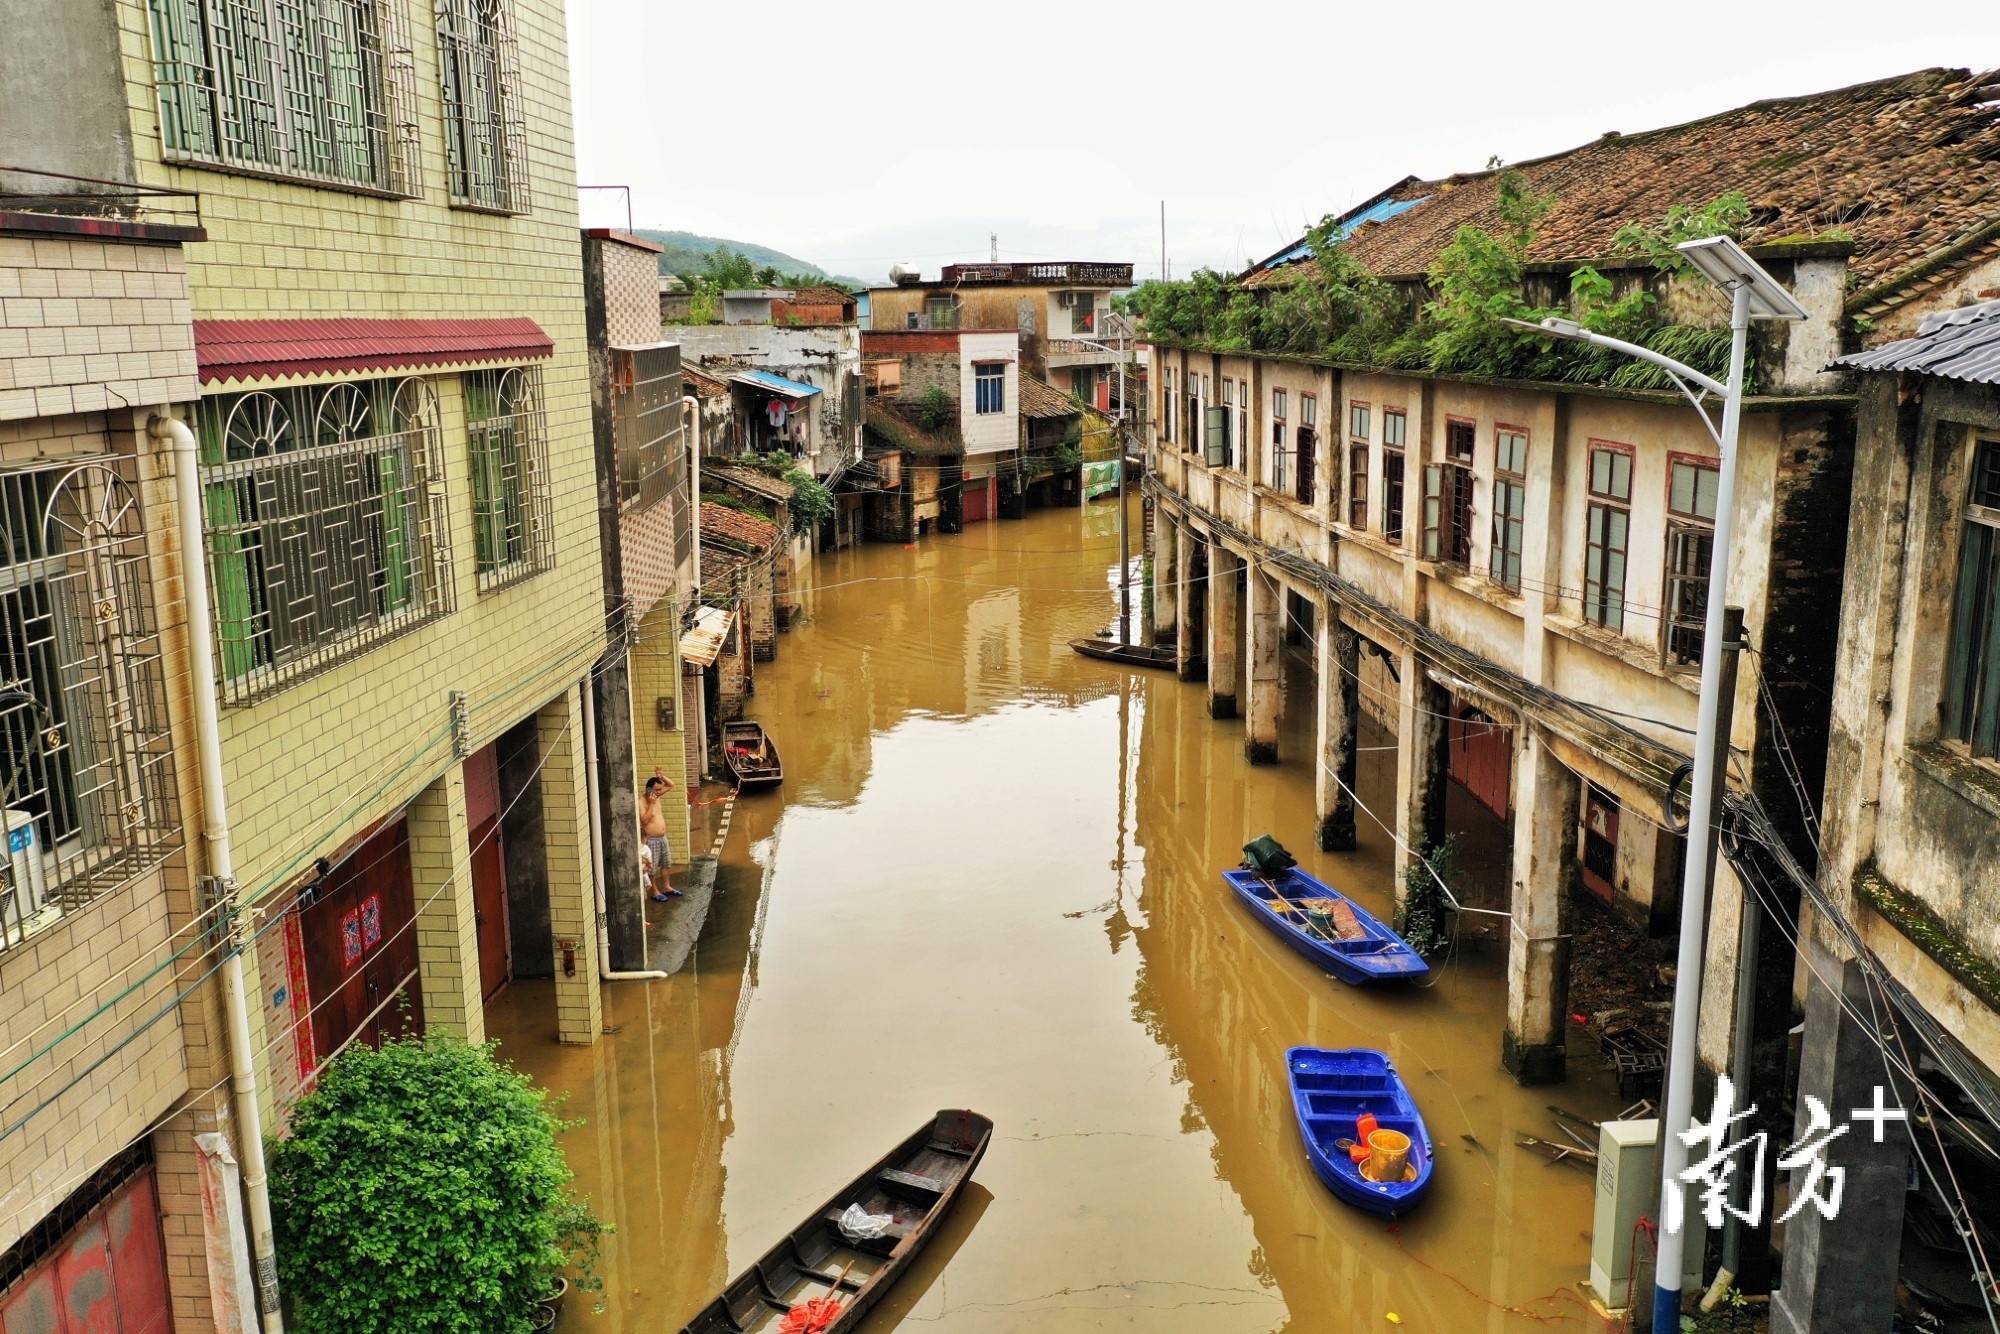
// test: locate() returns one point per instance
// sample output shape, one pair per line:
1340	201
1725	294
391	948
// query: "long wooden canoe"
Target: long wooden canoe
916	1184
1132	655
751	755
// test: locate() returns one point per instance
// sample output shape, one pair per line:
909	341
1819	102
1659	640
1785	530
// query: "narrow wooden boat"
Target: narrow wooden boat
1131	655
1327	927
751	755
915	1184
1330	1091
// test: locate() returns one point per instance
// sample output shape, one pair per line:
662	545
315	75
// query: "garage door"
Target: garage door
107	1273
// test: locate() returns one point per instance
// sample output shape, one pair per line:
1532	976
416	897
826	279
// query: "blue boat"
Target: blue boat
1371	953
1330	1089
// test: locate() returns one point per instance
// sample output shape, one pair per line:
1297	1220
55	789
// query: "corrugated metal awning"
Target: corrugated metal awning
1962	344
702	645
776	384
261	349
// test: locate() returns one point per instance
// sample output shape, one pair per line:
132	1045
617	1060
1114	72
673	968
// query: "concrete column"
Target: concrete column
1840	1273
1225	599
618	805
1420	764
1158	539
1188	662
1265	632
447	934
1546	801
566	850
1339	712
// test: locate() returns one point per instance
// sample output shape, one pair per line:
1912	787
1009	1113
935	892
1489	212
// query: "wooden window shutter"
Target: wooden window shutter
1433	509
1216	453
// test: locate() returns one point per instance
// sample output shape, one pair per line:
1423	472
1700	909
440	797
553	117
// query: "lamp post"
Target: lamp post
1753	295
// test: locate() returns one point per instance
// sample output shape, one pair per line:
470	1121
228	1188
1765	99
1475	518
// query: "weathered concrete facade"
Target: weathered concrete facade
1328	504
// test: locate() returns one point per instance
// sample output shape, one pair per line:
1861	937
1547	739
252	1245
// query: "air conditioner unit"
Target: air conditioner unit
1065	299
24	861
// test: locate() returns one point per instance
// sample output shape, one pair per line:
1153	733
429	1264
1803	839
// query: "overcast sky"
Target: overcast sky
862	134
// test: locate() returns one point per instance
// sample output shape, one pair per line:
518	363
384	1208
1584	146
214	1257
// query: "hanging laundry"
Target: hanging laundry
779	409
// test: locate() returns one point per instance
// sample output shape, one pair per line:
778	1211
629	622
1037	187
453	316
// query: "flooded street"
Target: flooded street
991	880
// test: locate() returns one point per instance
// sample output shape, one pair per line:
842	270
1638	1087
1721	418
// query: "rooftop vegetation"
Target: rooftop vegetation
1451	323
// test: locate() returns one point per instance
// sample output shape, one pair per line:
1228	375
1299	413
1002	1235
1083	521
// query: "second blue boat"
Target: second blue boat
1348	941
1331	1090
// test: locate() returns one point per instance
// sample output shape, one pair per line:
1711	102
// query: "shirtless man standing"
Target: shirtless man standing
653	828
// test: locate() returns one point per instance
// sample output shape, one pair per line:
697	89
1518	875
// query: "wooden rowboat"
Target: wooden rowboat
751	755
1132	655
1330	1091
916	1184
1337	933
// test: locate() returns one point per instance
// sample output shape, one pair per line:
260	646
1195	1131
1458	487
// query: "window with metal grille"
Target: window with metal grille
1691	488
1510	506
326	526
1393	426
646	425
508	438
86	761
1972	680
323	90
485	133
1607	526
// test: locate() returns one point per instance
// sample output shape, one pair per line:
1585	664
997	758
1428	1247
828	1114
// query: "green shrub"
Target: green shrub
935	410
1425	917
422	1191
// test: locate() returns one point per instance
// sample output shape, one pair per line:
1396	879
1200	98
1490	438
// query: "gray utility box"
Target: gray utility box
1628	1189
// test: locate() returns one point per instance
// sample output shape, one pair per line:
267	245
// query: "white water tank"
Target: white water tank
1628	1189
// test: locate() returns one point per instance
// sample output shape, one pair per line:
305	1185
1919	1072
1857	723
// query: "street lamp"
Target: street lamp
1753	295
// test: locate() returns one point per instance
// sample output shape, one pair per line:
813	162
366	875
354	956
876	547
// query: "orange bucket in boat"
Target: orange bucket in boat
1388	1154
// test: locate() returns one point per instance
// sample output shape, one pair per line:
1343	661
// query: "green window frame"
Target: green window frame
1607	533
507	446
1972	673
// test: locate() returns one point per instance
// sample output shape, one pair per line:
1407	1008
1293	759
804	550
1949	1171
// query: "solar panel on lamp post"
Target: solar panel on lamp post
1753	295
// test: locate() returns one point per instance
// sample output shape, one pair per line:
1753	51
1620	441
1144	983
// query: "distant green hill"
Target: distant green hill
686	251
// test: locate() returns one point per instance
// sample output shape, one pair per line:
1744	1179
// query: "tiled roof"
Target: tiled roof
260	349
733	525
702	383
1961	344
750	479
1905	166
1039	398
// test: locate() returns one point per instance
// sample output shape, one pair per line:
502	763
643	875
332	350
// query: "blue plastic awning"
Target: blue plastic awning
776	384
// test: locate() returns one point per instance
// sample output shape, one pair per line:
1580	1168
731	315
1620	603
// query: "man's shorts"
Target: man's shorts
657	845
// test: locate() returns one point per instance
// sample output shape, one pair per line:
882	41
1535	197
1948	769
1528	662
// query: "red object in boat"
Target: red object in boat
812	1316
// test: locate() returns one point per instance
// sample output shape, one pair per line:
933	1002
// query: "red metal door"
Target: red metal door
361	946
1600	842
108	1276
977	506
1482	757
489	870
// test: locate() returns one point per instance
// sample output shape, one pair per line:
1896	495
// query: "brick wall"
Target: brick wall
315	764
87	324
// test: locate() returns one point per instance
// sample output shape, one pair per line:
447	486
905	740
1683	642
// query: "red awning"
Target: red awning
263	349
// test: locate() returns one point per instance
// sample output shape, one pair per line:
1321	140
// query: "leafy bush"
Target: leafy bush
1424	920
422	1191
935	410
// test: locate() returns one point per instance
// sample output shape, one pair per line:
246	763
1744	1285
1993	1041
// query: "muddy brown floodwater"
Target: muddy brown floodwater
991	881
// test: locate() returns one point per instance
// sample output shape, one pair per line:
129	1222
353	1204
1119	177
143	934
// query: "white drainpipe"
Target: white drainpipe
221	860
605	972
